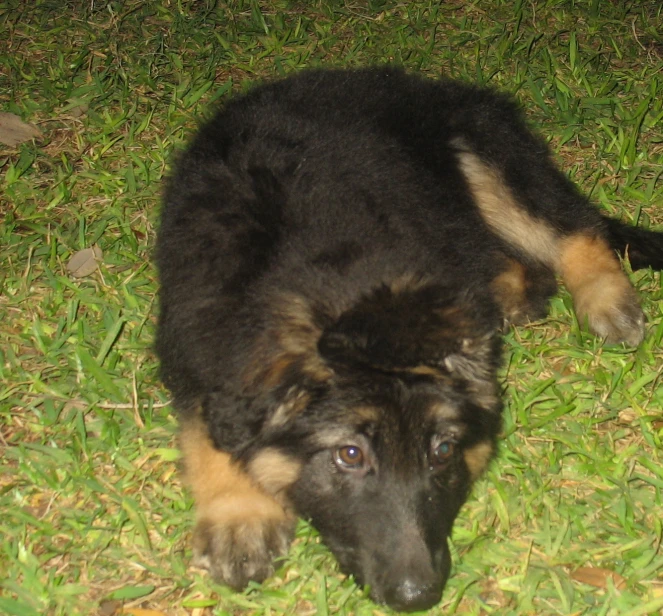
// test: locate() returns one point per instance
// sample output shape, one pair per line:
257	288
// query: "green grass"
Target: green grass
93	516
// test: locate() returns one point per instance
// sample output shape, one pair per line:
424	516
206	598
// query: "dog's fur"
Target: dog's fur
338	253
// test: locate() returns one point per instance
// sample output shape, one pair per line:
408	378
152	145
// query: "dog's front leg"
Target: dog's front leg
240	528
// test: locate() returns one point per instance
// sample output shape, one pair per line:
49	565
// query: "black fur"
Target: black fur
319	238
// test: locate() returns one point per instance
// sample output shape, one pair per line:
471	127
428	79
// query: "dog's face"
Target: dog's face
385	482
382	452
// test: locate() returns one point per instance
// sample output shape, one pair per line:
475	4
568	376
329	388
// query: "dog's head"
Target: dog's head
377	432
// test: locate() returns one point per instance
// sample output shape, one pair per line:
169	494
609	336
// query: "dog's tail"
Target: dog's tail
642	247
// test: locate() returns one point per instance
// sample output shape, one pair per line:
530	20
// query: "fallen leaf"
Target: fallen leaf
85	262
78	111
109	608
627	416
137	611
598	577
13	130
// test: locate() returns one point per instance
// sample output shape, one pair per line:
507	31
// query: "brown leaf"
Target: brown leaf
137	611
78	111
85	262
109	608
598	577
14	131
627	417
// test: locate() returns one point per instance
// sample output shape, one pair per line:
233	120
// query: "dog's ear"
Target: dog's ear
285	349
232	419
279	375
240	421
422	330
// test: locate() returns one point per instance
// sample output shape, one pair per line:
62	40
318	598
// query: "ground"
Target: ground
93	515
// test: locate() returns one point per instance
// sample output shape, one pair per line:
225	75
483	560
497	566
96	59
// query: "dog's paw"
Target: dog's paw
522	292
243	549
604	298
613	312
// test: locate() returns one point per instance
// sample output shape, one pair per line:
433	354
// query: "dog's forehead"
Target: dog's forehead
419	406
409	421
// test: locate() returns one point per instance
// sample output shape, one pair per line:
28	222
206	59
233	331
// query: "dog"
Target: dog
338	254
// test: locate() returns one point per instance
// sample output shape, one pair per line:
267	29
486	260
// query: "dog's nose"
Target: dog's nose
411	595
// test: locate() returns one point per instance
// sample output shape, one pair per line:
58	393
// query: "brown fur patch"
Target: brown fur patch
501	211
365	414
477	457
274	471
409	282
222	491
424	370
335	433
443	412
587	260
294	403
601	291
510	289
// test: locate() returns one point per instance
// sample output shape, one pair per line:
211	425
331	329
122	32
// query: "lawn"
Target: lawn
94	519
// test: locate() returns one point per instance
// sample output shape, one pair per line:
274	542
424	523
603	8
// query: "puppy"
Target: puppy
338	253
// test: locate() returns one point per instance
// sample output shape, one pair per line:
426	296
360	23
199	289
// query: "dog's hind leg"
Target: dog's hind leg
571	242
240	527
523	290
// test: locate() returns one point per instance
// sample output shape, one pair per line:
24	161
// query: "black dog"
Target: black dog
338	253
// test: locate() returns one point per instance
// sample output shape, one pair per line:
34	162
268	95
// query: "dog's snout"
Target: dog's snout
416	583
412	594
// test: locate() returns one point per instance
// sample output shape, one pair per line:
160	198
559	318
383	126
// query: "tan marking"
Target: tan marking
297	331
501	211
443	412
477	457
333	437
343	431
457	321
364	414
274	470
601	291
587	264
268	373
294	403
224	494
509	289
409	282
424	370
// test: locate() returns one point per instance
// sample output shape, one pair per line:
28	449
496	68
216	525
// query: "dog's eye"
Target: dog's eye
442	453
349	458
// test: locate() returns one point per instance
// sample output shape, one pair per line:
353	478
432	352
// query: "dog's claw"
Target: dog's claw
622	322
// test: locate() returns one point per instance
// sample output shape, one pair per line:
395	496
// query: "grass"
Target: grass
93	516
